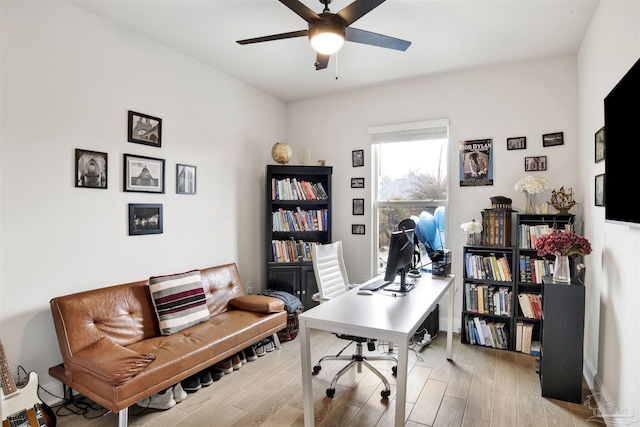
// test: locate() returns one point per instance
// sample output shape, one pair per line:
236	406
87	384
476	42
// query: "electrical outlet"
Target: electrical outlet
250	287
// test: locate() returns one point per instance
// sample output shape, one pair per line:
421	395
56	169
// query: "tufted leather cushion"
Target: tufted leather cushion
111	362
179	301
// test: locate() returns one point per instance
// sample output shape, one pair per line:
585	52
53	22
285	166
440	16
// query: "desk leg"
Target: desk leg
401	378
307	387
452	294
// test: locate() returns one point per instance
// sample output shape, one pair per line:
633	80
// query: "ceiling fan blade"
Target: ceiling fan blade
322	61
374	39
301	10
357	10
301	33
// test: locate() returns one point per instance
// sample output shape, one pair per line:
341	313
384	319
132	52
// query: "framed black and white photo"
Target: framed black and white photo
519	143
551	139
357	182
538	163
599	184
357	228
600	146
358	206
143	174
145	219
91	169
144	129
357	158
185	179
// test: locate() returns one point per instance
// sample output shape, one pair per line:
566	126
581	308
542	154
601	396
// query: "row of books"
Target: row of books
487	267
496	227
524	339
528	234
291	251
532	270
487	299
490	334
300	220
530	305
292	189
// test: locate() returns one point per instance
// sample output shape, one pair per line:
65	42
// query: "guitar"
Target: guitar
22	407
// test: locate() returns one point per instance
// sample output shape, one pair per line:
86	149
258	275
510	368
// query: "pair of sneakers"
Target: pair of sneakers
164	399
202	379
264	346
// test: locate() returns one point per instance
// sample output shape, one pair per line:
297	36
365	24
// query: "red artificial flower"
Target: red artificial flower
563	243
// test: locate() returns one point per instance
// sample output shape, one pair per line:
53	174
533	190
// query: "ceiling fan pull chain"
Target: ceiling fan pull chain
336	66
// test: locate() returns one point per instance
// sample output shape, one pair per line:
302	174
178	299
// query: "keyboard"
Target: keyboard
375	285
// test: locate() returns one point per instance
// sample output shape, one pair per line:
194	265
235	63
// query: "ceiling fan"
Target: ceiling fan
327	31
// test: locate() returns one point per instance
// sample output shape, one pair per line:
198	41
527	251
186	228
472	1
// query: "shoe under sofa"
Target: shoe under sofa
118	349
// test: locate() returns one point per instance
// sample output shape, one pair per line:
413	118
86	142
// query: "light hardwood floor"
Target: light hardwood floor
481	387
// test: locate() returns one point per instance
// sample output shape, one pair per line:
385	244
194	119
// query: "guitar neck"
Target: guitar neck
8	383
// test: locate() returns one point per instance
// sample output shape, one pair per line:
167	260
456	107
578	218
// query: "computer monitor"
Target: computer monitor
399	260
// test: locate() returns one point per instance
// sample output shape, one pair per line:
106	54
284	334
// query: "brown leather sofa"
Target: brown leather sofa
114	353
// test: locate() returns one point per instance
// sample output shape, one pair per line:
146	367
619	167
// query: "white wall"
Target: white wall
610	48
528	99
68	80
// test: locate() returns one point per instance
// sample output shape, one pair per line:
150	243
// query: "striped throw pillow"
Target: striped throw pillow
179	301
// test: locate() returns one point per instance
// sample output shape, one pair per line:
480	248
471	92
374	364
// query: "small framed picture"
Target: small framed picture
91	169
357	228
185	179
357	182
538	163
358	206
519	143
600	145
357	158
144	129
599	190
143	174
145	219
551	139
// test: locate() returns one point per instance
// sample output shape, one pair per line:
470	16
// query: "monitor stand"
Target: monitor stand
403	287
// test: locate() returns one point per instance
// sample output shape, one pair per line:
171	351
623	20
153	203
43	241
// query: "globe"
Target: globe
281	152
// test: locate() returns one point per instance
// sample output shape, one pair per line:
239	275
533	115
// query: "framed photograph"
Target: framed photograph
357	182
357	158
357	228
476	162
91	169
519	143
145	219
358	206
538	163
551	139
185	179
599	190
600	145
143	174
144	129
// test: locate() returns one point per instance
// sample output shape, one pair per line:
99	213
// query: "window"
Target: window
411	177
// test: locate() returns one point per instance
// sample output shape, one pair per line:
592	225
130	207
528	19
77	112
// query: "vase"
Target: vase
561	270
530	207
474	238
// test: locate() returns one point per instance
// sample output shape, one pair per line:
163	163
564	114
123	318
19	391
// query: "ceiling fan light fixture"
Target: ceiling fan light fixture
327	39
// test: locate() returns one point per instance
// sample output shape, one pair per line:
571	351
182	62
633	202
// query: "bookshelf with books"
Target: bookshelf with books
488	303
297	216
529	272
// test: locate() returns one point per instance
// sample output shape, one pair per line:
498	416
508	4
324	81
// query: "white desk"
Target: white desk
388	318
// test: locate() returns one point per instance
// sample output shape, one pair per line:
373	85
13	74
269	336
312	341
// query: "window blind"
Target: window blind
415	131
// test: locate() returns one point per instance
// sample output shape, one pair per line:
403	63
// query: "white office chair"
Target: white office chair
331	277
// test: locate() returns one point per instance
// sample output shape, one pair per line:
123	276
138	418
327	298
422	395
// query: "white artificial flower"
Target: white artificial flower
471	227
531	184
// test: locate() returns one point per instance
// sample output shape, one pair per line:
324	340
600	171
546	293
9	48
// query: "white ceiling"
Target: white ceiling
446	36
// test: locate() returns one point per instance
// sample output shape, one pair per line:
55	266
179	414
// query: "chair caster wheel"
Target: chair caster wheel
385	394
331	392
395	370
316	369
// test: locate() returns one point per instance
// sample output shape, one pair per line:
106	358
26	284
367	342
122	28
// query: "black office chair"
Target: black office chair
331	277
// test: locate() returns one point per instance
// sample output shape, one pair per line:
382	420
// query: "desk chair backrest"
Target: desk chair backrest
329	269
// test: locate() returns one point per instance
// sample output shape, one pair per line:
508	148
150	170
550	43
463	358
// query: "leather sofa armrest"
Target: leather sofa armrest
257	303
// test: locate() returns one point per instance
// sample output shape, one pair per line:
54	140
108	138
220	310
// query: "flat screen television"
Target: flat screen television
399	261
621	134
